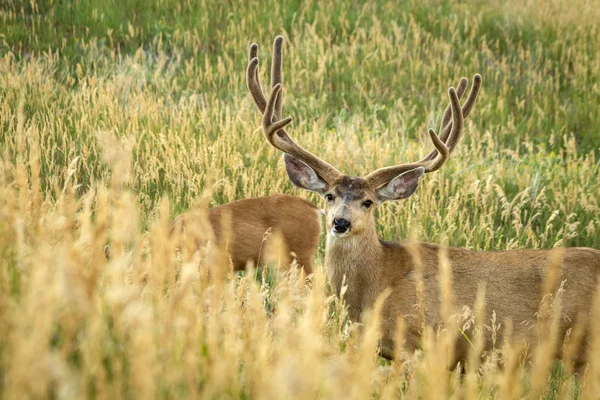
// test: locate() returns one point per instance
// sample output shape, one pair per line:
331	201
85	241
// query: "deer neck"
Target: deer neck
356	261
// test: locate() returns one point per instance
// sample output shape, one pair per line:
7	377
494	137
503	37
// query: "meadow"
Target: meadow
116	116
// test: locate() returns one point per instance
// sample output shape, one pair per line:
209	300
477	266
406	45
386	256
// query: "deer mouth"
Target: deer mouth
337	234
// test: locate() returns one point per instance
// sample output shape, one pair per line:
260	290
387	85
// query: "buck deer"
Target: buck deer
355	255
248	220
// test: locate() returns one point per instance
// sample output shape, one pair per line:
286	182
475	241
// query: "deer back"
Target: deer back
244	226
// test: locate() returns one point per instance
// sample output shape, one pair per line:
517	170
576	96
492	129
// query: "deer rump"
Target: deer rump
243	227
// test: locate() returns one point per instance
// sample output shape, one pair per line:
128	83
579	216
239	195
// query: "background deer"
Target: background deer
240	227
368	265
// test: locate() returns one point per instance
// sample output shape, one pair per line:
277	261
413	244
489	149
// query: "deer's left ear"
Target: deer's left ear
401	187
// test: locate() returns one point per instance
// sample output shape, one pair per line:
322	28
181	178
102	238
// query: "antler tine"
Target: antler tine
444	145
460	90
276	74
466	110
252	79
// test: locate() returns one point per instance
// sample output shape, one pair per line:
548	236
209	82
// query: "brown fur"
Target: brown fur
513	280
295	219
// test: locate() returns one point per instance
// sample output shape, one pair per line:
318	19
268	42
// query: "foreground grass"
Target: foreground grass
117	115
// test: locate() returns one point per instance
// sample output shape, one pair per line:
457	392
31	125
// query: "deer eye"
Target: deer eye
329	197
367	204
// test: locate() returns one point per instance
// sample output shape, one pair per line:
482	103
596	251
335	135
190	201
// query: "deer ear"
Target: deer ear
401	187
304	176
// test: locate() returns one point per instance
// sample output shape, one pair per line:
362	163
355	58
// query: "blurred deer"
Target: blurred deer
356	257
242	227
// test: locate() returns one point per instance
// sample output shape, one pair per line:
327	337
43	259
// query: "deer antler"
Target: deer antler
466	110
273	124
451	132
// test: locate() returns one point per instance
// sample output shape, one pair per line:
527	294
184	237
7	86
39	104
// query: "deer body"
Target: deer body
295	219
513	280
356	257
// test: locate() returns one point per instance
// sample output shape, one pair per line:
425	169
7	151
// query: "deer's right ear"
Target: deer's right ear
304	176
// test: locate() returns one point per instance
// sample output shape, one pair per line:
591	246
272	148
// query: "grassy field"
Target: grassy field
115	116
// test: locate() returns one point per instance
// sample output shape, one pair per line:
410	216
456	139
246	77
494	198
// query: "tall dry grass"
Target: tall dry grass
107	136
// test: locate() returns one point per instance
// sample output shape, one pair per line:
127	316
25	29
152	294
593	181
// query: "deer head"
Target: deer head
350	200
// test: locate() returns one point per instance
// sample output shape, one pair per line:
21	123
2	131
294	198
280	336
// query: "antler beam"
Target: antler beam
444	145
273	124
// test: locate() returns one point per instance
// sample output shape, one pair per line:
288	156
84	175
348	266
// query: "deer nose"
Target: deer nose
341	225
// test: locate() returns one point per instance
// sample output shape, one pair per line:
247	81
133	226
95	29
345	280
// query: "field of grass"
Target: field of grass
115	116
